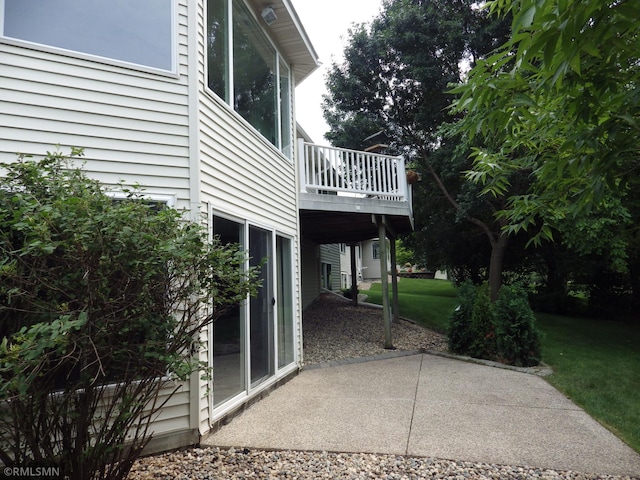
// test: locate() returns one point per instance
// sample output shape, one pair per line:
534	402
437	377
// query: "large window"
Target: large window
285	109
139	32
246	71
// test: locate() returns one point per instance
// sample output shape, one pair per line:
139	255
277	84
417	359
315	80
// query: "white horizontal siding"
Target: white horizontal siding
174	415
133	125
241	172
331	254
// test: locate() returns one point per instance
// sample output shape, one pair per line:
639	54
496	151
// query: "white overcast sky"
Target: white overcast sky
326	24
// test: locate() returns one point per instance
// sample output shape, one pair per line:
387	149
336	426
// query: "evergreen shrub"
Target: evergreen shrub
459	333
483	332
503	331
517	339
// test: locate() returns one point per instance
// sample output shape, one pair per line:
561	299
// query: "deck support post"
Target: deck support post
384	280
354	275
394	281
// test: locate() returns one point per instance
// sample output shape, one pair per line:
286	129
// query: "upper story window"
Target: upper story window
140	32
246	71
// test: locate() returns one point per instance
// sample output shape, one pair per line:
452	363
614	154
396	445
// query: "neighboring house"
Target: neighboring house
193	100
346	275
330	267
368	264
371	259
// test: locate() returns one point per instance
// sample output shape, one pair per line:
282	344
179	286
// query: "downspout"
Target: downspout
194	177
298	164
354	275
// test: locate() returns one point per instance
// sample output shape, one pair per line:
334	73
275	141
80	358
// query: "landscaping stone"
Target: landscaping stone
217	464
333	329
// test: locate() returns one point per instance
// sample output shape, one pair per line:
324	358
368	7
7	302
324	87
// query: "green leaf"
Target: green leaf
524	18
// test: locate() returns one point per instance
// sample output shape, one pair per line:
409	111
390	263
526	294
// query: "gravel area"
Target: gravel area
216	464
334	330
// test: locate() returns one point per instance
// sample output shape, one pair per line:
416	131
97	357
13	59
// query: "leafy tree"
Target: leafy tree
404	254
562	102
102	304
395	78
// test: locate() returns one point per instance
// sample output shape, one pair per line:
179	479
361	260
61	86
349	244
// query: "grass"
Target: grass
595	362
428	302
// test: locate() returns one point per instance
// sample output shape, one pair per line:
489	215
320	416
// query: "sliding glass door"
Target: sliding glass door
284	304
229	332
261	306
256	339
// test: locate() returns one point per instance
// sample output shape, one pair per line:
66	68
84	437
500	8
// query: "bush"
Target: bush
460	333
346	292
503	331
483	332
101	309
517	340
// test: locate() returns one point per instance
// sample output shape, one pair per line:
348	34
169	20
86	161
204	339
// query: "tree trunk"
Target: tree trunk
499	240
498	249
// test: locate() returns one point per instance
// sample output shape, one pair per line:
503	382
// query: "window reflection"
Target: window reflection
137	31
254	87
250	76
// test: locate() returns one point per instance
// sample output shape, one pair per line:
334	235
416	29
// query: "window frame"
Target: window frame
277	371
43	47
279	61
375	250
168	199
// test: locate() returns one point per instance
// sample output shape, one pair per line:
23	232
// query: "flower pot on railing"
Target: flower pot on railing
413	177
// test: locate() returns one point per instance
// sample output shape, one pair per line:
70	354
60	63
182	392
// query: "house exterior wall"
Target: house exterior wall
310	263
245	178
132	123
330	255
371	265
171	135
345	265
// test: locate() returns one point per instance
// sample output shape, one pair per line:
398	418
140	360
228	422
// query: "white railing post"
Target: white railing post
302	168
402	180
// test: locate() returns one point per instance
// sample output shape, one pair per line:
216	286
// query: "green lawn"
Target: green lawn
428	302
595	362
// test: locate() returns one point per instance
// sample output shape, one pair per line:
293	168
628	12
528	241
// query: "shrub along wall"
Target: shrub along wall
101	305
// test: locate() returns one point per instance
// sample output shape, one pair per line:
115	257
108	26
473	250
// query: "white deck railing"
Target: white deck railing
326	170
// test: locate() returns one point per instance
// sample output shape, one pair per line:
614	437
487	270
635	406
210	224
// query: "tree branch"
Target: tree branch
490	234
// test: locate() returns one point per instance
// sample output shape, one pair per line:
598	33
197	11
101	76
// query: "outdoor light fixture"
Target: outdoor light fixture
269	15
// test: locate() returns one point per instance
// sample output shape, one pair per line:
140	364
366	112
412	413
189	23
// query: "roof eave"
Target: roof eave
291	37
